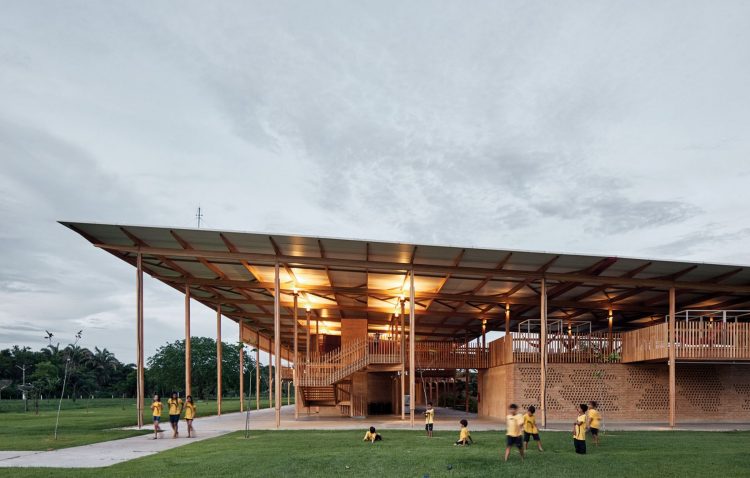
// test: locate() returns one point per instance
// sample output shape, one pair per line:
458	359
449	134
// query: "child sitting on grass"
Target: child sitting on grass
372	435
464	437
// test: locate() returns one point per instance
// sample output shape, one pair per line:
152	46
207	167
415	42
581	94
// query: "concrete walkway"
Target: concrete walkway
117	451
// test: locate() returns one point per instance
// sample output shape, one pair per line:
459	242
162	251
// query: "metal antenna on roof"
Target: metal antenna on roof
199	217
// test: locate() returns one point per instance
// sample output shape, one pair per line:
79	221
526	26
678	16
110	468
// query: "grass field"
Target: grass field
409	453
81	422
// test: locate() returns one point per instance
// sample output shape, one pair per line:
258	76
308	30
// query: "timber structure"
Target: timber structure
356	326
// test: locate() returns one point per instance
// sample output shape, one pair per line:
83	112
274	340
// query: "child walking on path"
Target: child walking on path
530	429
156	408
175	410
372	436
464	437
513	428
429	419
190	415
595	421
579	430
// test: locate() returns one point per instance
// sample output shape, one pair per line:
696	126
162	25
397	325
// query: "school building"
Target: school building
358	326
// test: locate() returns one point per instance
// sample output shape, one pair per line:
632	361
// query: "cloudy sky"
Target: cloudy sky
618	128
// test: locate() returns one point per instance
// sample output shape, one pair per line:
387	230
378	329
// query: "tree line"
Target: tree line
98	373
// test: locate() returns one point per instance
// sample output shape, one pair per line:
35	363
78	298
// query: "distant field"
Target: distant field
81	422
409	454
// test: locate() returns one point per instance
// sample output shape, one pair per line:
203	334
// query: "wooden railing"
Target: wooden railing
438	355
329	368
712	340
648	343
597	347
287	373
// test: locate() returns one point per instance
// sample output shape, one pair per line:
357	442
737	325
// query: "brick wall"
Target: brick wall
625	392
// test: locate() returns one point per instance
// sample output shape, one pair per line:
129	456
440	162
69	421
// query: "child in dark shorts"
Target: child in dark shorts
514	428
530	429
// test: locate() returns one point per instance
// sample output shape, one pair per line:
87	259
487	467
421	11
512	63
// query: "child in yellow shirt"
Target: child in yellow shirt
464	437
190	415
156	408
530	429
175	410
595	421
579	430
429	419
514	427
372	436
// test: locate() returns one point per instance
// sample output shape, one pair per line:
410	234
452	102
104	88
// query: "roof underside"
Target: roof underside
455	287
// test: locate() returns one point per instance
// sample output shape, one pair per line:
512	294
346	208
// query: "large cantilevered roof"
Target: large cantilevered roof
455	287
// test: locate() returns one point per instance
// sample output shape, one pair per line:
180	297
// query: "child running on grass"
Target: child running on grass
190	415
464	437
513	425
156	408
175	410
579	430
429	419
372	435
595	421
530	429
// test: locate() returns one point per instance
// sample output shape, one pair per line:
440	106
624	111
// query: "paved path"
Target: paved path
118	451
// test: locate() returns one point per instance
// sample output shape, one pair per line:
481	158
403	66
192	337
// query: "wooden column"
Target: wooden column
307	328
412	347
188	352
672	359
402	336
317	336
296	360
242	369
257	374
484	333
140	394
507	319
218	359
277	343
270	374
543	354
467	376
610	341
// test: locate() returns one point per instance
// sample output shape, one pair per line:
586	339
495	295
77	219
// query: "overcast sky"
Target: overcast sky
616	128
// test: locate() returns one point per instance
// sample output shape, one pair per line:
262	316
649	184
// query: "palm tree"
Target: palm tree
104	364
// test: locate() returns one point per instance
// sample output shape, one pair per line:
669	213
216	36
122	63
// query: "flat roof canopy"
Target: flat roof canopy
455	287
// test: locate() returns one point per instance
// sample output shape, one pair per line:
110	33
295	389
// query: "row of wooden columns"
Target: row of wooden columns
275	394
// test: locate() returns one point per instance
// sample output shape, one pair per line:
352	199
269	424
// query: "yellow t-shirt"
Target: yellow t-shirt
529	424
189	411
156	409
464	434
369	436
595	418
175	406
513	425
429	416
580	428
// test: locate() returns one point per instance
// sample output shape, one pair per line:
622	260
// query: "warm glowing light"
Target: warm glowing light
307	307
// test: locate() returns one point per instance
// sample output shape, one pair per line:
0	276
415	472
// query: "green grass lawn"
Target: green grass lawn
409	453
82	422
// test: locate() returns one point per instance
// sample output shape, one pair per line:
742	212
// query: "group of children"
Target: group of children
520	429
176	407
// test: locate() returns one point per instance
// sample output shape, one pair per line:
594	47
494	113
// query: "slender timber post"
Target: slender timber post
140	399
402	336
296	360
242	369
507	319
277	343
412	346
672	358
307	328
218	359
543	354
270	374
188	352
257	374
467	376
610	341
484	334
